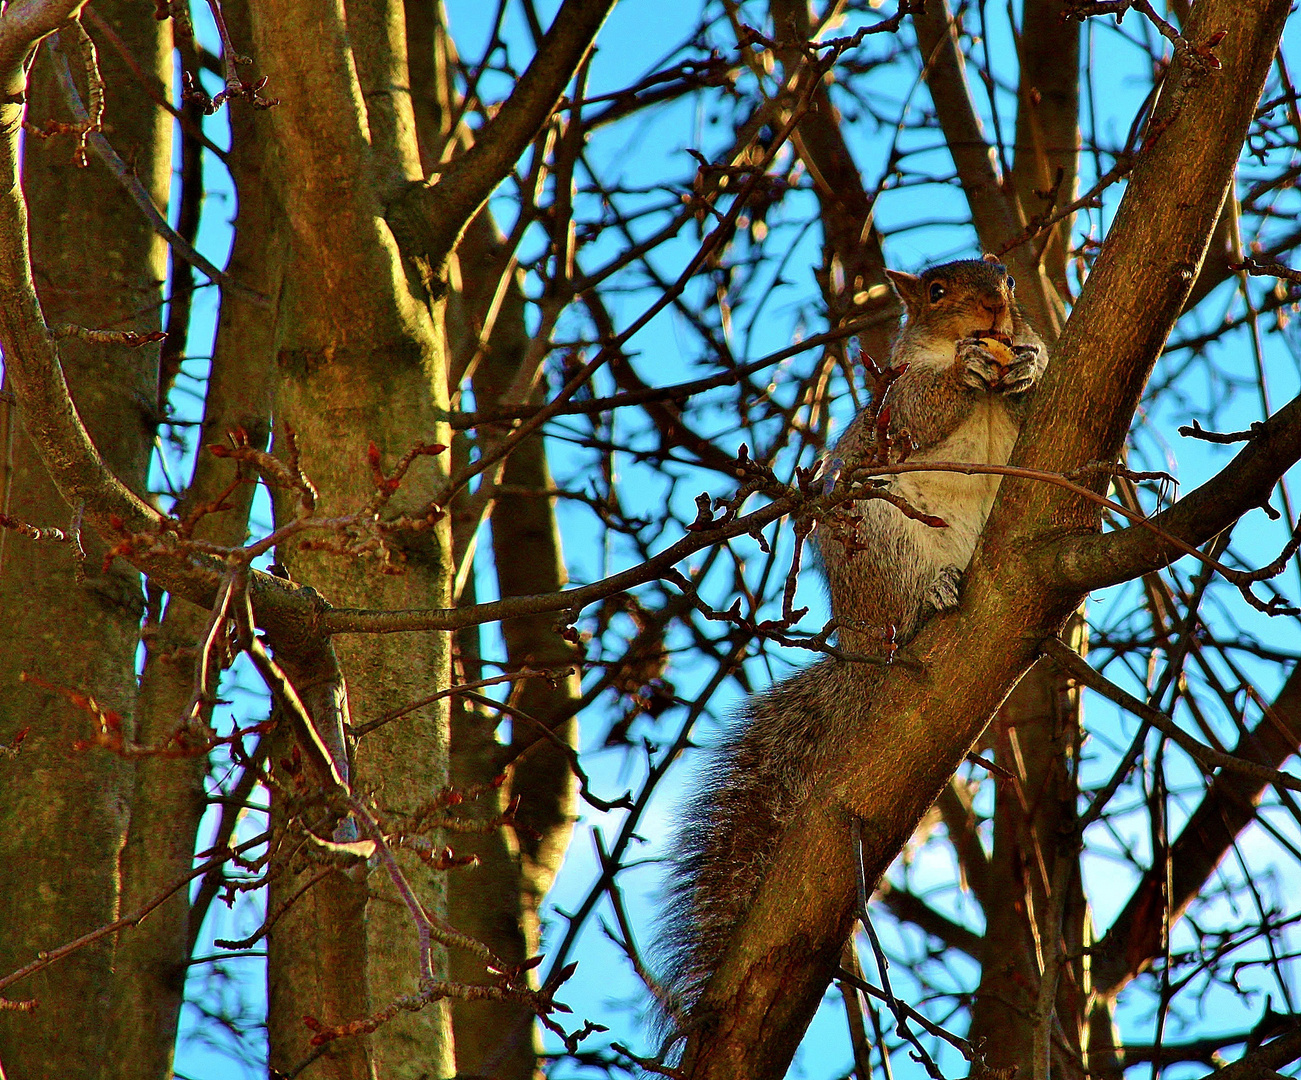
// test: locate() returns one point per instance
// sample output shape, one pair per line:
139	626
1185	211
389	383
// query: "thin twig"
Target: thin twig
134	188
1209	758
883	965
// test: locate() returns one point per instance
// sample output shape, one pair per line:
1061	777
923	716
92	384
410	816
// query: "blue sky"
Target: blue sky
638	34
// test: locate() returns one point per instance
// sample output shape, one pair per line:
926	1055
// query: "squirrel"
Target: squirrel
972	360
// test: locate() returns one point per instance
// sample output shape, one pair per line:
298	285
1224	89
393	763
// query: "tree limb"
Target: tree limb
993	213
1095	561
429	217
22	26
1206	756
1264	1063
1228	806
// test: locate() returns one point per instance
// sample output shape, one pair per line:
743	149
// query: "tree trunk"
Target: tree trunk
65	812
1037	731
360	360
152	959
498	901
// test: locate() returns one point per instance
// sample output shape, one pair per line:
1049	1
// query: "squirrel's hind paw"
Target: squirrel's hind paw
942	593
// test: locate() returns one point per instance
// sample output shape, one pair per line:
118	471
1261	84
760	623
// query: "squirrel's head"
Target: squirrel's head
958	299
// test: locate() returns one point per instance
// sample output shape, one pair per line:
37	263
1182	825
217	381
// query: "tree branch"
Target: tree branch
1207	757
911	908
1096	561
1047	124
1229	805
31	360
1264	1063
429	217
22	26
992	212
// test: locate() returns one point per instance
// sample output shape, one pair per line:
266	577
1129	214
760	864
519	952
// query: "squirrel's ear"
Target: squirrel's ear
908	287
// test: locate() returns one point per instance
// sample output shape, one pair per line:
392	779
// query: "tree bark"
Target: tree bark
1036	733
168	801
98	264
360	359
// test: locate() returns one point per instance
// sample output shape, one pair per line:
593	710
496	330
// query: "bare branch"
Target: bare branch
1092	562
1206	756
429	217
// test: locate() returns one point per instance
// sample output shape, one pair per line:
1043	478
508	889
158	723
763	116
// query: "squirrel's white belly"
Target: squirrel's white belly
985	437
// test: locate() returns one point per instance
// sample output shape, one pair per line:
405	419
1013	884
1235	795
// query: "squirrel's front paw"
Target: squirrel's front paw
978	367
994	366
942	593
1027	366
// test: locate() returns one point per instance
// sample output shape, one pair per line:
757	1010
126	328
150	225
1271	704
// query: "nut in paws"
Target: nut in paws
993	364
981	369
1026	367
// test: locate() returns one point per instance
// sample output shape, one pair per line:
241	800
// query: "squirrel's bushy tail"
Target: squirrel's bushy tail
731	829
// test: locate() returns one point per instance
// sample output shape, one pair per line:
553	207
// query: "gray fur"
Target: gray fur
959	404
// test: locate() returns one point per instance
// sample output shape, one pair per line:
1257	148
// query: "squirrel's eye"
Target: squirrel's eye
1011	283
937	292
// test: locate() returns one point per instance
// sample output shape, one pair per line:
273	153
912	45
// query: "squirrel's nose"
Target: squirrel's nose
995	307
